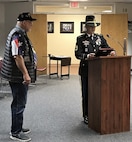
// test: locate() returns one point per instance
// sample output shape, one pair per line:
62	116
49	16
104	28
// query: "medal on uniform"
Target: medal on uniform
86	49
76	48
98	41
86	43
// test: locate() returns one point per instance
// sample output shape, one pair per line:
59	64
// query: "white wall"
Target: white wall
12	11
64	43
8	16
58	44
126	8
2	28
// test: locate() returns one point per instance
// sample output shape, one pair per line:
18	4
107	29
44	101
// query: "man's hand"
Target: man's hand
91	55
112	53
27	79
21	65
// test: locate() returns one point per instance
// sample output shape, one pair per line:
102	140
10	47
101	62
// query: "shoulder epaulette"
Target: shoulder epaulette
98	34
82	35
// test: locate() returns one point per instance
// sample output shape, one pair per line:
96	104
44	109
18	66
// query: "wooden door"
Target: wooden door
38	36
115	25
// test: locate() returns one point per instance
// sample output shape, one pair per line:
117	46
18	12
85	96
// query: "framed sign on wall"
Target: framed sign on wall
82	27
50	27
66	27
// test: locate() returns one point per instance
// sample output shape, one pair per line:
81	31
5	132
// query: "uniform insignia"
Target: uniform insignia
76	48
94	50
86	43
86	49
98	41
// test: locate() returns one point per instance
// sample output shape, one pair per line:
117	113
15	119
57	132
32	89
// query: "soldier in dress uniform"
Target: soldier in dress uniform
87	45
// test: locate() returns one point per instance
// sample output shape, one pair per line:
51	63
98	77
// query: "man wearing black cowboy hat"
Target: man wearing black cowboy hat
87	45
18	68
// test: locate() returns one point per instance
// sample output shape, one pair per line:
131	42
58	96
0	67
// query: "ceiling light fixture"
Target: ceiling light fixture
85	7
107	11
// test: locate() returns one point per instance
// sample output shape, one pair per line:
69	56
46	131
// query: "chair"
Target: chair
65	62
4	85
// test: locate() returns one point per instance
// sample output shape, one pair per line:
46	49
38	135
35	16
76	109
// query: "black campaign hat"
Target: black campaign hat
25	16
90	21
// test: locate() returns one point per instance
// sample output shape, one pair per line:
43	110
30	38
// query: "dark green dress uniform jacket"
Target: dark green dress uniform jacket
85	45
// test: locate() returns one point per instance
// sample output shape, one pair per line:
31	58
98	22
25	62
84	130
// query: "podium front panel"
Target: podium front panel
109	94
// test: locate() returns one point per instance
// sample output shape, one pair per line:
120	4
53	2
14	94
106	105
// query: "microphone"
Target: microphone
124	47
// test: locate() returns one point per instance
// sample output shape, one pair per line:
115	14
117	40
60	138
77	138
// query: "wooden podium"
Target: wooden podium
109	94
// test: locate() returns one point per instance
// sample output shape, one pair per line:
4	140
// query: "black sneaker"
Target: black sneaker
26	131
20	137
86	120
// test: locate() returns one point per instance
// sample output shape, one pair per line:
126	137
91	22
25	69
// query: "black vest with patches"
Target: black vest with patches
9	70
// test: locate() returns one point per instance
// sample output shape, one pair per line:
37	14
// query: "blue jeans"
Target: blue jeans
19	93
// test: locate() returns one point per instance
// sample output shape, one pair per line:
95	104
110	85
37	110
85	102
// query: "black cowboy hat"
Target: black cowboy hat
90	21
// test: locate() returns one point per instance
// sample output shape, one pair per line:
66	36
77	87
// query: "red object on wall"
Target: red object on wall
74	4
